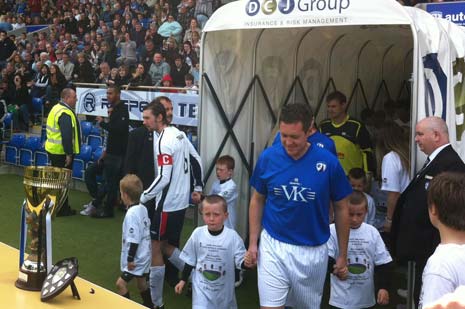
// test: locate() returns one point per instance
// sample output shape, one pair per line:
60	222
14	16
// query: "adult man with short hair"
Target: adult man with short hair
117	128
294	182
171	188
66	67
7	49
158	69
353	144
63	137
414	238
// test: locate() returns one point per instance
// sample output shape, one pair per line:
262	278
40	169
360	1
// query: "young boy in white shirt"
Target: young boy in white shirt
445	269
358	181
367	260
213	252
226	187
136	245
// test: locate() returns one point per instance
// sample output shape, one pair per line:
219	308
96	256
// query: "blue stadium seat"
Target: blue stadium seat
86	128
85	153
41	158
17	141
94	141
78	169
37	105
26	153
97	153
95	131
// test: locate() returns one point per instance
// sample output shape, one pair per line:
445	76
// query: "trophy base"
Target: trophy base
30	281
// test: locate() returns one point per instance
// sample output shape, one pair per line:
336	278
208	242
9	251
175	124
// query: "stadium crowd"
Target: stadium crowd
137	43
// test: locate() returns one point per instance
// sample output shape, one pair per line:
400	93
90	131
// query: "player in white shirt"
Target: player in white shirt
367	260
444	271
213	251
171	188
136	246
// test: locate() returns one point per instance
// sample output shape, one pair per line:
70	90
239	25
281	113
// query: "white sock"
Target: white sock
176	260
157	274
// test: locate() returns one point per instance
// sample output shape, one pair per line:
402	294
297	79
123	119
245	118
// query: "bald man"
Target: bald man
413	236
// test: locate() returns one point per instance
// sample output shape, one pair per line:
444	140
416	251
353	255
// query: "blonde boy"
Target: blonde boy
136	246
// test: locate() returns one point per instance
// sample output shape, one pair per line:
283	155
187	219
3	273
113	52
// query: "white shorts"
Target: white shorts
289	274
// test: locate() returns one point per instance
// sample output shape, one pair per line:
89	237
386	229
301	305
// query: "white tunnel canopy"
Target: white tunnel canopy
257	56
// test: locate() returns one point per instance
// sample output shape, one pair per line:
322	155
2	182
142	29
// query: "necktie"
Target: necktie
424	166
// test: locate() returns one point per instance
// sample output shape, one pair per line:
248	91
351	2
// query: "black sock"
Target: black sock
146	298
127	295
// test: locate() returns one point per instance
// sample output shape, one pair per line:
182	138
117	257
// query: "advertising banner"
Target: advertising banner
93	101
452	11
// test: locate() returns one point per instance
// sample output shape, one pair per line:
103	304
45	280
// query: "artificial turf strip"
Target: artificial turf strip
96	244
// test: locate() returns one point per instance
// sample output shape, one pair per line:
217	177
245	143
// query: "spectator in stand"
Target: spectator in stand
186	11
83	71
7	49
138	35
170	51
147	52
203	11
171	28
190	86
193	26
158	69
104	75
113	76
40	82
21	100
195	71
179	71
58	56
66	67
195	42
189	55
167	82
128	50
108	54
96	55
153	35
55	86
123	76
140	77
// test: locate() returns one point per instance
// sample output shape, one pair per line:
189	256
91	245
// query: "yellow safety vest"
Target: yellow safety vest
53	144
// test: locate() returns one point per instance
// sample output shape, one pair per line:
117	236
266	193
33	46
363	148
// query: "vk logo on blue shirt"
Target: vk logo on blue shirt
295	192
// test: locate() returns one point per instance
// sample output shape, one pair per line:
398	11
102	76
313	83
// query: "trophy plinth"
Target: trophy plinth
46	189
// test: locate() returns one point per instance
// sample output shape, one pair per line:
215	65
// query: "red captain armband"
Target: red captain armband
164	159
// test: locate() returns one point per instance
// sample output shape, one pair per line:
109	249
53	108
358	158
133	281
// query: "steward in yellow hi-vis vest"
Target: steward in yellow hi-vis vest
63	137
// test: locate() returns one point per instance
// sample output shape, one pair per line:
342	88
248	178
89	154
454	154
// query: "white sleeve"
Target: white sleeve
133	232
227	191
371	214
382	255
332	243
391	171
164	168
239	251
189	252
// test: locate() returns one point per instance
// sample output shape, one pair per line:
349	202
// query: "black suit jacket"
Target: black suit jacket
139	155
414	238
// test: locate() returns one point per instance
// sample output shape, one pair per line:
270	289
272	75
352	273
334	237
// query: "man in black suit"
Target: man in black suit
413	236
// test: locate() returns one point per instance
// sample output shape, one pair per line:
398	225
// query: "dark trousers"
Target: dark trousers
60	161
111	174
419	267
90	177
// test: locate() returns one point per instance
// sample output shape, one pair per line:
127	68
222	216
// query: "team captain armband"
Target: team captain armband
165	159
